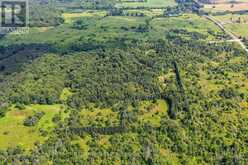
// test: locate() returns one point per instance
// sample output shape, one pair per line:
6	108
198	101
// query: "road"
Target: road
234	38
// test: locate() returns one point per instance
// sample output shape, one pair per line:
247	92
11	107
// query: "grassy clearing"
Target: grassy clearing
149	112
99	117
165	79
66	93
211	84
189	22
82	142
70	17
240	30
14	133
208	86
149	3
150	13
169	156
152	112
235	23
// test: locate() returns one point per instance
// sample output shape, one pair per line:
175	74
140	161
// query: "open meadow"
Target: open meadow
148	3
14	133
237	23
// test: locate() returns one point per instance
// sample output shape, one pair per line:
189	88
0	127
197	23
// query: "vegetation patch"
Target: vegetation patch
147	4
95	117
13	131
151	112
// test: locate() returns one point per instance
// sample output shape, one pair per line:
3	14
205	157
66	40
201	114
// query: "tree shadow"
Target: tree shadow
14	57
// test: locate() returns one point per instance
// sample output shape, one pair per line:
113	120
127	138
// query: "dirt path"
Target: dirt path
234	38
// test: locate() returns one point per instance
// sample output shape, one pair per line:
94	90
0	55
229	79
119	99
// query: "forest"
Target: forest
96	86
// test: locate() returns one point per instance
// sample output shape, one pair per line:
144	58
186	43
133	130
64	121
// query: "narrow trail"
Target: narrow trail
221	26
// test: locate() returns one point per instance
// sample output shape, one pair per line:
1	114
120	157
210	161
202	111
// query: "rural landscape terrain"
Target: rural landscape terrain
119	82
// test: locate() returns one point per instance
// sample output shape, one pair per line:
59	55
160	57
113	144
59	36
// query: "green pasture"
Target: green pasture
148	4
14	133
236	23
189	22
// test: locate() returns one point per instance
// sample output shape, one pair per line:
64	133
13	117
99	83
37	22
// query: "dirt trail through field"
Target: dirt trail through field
234	38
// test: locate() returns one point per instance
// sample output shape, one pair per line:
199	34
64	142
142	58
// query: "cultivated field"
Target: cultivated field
225	5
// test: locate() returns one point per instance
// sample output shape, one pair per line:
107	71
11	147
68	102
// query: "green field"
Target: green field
148	4
110	28
13	133
235	23
99	118
189	22
152	113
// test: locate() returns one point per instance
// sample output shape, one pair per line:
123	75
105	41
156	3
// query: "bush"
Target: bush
20	106
83	23
3	111
228	93
33	120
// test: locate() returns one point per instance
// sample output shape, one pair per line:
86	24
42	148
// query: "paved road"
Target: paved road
234	38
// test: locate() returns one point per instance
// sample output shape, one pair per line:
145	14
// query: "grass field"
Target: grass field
211	83
69	17
189	22
151	113
235	23
99	117
149	3
14	133
150	12
66	93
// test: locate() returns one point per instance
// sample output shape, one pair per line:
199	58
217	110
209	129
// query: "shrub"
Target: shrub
33	120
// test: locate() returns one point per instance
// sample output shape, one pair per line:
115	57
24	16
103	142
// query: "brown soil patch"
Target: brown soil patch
228	6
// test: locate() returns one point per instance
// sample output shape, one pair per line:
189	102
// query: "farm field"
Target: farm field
149	3
223	5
